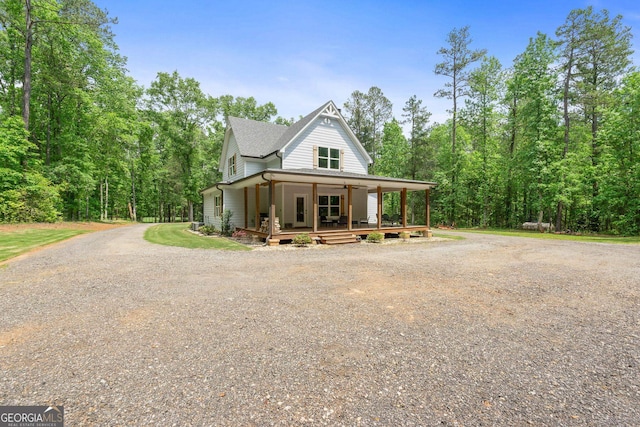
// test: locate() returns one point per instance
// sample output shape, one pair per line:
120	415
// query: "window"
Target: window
329	206
328	158
231	170
217	206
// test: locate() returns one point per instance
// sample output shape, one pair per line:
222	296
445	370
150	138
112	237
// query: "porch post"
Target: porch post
246	207
272	208
315	207
428	205
257	207
379	207
403	206
427	233
350	209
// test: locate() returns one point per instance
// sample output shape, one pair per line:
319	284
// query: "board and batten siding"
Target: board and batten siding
299	154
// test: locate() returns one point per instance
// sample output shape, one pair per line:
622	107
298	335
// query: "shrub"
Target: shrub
226	225
375	237
207	230
301	240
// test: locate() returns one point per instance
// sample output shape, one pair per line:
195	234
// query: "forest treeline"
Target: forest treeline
552	137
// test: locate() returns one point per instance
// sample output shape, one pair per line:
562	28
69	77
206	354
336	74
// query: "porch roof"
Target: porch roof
325	177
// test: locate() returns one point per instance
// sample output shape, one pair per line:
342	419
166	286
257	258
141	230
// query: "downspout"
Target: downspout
281	160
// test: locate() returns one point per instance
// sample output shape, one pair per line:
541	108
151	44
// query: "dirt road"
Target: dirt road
483	331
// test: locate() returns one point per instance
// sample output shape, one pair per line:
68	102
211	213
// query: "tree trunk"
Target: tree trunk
567	127
101	202
106	197
133	196
26	84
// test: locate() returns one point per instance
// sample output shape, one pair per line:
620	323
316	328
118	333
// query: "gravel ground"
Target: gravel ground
483	331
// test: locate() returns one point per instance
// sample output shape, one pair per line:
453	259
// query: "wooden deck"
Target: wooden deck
364	231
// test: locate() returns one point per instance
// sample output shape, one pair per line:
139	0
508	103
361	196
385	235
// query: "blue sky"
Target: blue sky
299	54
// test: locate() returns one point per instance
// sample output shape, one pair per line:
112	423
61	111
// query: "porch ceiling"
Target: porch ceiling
310	176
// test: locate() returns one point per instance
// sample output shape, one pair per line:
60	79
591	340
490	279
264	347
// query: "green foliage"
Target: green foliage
25	195
553	136
207	230
226	226
367	114
375	237
301	240
553	236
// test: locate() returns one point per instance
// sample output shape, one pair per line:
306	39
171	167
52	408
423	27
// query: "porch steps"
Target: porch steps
338	238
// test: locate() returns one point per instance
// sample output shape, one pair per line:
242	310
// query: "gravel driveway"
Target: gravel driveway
483	331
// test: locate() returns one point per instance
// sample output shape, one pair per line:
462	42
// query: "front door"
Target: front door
300	204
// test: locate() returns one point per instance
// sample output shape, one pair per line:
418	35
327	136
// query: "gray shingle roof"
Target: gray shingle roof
259	139
256	139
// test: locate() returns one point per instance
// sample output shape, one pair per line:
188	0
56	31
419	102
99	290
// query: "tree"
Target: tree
182	114
481	118
394	153
420	162
25	195
595	53
538	124
421	156
457	58
619	171
367	115
246	108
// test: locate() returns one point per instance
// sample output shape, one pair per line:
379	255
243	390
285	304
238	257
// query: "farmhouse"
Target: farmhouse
279	181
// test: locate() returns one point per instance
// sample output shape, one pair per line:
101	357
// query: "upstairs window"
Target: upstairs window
231	170
328	158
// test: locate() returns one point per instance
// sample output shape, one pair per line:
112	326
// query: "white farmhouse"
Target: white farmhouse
279	181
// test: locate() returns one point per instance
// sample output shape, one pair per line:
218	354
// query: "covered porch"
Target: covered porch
279	204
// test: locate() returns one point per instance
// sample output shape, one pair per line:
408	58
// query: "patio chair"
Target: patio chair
385	219
395	219
324	221
343	220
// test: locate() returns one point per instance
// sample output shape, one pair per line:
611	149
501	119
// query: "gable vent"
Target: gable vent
331	111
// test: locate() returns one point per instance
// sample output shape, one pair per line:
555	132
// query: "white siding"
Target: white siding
208	209
299	154
274	164
234	201
232	149
252	167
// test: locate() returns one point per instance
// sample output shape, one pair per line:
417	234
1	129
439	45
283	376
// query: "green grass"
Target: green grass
448	236
14	243
178	235
552	236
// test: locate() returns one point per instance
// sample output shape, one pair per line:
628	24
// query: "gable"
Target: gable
325	126
324	133
328	113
